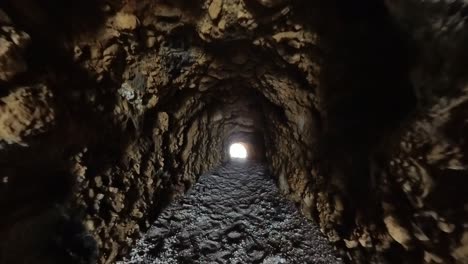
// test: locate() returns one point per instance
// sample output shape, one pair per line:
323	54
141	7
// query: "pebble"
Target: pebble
234	235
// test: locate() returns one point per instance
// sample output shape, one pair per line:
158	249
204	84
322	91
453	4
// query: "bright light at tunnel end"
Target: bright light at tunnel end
237	151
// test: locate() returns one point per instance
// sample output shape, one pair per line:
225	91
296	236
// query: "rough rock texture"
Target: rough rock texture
233	215
25	112
110	109
385	174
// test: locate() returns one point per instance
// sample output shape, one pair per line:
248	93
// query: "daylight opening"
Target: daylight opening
238	151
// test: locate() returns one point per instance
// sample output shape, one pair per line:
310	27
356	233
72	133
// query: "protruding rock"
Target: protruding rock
112	50
289	35
397	231
432	258
25	112
215	9
125	21
12	47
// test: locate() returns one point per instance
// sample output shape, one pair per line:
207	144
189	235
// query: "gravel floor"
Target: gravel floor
234	215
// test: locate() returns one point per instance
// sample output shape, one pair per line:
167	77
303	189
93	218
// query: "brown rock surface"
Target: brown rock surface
111	109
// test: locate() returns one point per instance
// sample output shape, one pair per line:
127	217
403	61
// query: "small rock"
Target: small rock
351	243
274	260
289	35
446	227
167	11
150	41
397	232
222	24
125	21
95	52
432	258
209	246
112	50
157	232
214	235
234	235
117	206
137	214
98	181
215	9
257	255
91	193
89	225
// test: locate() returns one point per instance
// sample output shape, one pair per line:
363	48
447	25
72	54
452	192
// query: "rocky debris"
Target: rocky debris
125	21
232	215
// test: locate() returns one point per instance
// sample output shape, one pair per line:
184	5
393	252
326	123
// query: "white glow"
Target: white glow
238	150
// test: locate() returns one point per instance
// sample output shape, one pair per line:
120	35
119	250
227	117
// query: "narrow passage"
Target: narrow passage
233	215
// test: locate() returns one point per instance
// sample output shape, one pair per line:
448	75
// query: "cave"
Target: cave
233	131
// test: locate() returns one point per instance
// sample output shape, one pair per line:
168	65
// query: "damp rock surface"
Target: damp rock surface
233	215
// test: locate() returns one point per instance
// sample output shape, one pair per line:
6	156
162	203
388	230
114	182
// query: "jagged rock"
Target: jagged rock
26	112
125	21
215	8
397	231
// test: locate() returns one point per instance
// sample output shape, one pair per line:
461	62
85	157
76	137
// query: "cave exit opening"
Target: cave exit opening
238	151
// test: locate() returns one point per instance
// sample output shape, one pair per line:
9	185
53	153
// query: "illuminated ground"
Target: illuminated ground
234	215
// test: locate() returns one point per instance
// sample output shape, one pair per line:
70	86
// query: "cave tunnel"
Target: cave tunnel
347	123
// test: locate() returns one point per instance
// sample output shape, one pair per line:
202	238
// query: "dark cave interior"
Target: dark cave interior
112	109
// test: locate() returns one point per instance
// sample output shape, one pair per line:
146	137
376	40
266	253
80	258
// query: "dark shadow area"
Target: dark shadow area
368	93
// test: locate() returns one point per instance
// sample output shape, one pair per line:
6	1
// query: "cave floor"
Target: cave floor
233	215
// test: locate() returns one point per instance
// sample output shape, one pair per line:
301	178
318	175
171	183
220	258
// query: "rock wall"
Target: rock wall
111	109
385	174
